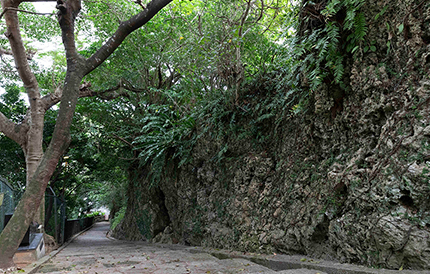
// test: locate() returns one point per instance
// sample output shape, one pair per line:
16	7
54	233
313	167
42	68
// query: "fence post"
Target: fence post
55	218
63	220
2	211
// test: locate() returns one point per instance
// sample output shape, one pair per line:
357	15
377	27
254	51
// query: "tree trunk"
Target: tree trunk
34	151
39	169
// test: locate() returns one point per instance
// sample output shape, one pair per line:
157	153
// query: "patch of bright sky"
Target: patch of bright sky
45	7
45	62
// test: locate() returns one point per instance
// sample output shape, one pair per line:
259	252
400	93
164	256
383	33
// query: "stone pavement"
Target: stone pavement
92	252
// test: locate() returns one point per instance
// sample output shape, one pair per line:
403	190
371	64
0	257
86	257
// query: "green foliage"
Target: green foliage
317	53
187	72
11	105
224	69
164	138
356	38
12	165
36	27
117	218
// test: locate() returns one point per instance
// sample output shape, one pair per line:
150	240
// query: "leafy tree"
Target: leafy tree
28	133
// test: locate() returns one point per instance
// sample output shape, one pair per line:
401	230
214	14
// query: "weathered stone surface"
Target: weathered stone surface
351	185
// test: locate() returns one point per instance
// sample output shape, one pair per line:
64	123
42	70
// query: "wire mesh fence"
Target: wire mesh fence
55	213
55	210
7	201
55	217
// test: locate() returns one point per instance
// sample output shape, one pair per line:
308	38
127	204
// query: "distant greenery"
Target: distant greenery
86	177
94	214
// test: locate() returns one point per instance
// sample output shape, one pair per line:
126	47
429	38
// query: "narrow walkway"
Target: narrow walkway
93	252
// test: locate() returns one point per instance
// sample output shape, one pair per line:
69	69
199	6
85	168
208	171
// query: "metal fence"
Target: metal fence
55	210
7	201
55	213
55	217
75	226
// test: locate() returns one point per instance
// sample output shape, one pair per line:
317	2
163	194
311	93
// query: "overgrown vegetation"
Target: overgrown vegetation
224	69
208	80
232	99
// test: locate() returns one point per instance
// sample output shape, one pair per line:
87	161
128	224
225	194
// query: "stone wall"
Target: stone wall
348	180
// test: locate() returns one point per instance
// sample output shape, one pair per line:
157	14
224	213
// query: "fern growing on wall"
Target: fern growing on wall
163	139
319	48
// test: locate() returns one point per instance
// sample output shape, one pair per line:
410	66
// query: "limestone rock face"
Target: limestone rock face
351	186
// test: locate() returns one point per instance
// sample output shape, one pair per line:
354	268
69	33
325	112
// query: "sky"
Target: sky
45	6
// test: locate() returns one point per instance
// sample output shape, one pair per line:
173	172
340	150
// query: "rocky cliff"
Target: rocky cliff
346	180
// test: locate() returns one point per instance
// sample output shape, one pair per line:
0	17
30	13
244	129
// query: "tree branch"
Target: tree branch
18	50
124	29
111	93
243	19
123	140
25	11
8	52
108	94
261	12
27	131
67	12
51	99
13	131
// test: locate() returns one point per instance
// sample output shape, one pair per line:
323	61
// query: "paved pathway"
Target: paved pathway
92	252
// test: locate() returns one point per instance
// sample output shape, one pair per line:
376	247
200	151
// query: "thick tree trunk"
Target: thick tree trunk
34	149
39	170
